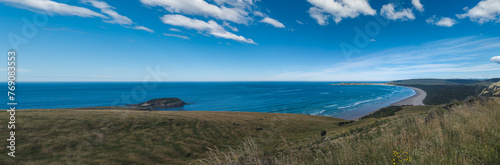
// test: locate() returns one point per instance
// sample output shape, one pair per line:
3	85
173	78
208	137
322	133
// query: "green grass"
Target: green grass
139	137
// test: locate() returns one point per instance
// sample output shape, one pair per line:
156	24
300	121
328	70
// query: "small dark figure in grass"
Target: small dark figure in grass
323	133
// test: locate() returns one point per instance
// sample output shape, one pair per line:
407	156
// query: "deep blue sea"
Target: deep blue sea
314	98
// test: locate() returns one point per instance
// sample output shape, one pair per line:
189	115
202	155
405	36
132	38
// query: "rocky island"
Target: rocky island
160	103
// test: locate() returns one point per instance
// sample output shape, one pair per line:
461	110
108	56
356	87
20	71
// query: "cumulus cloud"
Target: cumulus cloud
273	22
323	10
443	21
237	13
53	8
210	27
417	5
484	11
389	12
495	59
177	36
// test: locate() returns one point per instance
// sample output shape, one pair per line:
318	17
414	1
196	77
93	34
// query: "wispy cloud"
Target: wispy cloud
237	13
53	8
63	29
273	22
115	18
459	55
175	35
143	28
50	7
210	27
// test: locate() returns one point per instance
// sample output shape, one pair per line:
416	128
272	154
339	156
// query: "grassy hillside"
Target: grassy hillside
465	134
138	137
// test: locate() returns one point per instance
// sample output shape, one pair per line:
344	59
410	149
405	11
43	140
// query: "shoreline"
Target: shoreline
415	100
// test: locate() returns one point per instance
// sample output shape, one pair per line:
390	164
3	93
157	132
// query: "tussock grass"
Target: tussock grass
466	133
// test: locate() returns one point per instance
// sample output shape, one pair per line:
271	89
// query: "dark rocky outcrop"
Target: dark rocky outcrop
161	103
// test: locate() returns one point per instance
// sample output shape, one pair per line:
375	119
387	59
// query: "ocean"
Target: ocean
313	98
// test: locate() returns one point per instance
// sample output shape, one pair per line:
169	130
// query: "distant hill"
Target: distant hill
480	82
442	91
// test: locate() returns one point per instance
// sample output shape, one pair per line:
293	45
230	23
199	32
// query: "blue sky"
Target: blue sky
251	40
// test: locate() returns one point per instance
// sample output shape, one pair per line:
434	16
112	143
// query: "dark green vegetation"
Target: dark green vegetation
442	94
486	82
384	112
442	91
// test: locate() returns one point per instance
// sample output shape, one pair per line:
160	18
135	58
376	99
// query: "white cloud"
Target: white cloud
175	35
299	22
210	27
323	10
226	24
174	30
108	10
258	13
417	5
389	12
143	28
63	29
273	22
484	11
495	59
51	7
236	14
443	21
115	17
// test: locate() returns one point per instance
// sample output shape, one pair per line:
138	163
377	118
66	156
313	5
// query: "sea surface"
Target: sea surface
314	98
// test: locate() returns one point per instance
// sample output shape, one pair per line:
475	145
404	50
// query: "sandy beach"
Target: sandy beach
414	100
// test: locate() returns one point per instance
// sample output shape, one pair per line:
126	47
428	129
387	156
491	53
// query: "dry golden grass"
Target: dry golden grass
466	134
